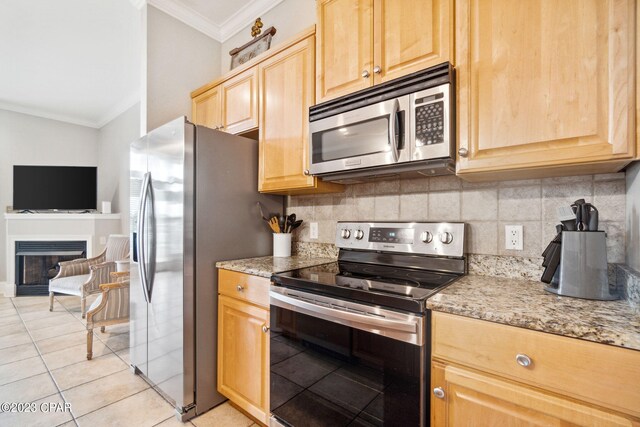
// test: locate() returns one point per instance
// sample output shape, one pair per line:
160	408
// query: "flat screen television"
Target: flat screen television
54	187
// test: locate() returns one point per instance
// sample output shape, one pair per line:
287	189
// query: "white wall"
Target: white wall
633	216
179	60
289	18
113	162
30	140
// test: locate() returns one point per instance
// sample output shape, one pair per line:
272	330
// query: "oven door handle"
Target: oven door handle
408	331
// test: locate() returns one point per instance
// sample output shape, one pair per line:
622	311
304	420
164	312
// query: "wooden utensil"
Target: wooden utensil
275	226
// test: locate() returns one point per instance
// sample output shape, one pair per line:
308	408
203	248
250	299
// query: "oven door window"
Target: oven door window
328	374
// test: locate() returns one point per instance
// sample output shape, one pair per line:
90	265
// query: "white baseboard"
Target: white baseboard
9	289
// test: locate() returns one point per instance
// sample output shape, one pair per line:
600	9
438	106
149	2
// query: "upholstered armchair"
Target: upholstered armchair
110	308
82	277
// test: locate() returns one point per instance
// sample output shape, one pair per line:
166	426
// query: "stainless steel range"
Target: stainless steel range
350	341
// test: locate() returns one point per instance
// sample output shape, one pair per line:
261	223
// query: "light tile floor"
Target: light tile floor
43	362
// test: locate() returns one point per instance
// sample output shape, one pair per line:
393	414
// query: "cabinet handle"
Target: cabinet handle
365	73
523	360
463	152
377	69
240	288
438	392
265	328
306	172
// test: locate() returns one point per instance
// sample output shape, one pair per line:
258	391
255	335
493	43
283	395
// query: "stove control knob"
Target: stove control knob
345	233
426	237
446	237
359	234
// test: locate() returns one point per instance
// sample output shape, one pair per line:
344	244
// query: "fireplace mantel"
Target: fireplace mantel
90	227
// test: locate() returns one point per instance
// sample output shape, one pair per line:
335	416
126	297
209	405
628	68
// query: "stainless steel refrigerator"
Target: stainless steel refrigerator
193	202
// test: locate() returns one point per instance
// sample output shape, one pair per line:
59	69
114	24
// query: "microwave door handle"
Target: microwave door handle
393	135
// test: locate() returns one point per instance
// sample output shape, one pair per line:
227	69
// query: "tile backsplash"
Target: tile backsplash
486	207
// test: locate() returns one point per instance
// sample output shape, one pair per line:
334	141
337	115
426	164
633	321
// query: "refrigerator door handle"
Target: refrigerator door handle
150	273
141	233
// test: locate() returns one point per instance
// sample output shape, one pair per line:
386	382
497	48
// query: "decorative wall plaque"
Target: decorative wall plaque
259	44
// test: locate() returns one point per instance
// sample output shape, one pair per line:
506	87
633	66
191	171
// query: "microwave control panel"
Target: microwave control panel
430	120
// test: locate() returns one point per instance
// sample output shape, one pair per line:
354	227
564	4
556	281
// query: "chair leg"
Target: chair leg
50	301
83	306
89	344
101	328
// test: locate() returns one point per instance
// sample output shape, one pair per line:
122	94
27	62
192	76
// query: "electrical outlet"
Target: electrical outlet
513	237
313	230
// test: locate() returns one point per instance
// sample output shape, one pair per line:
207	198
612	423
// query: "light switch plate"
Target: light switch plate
313	230
513	237
103	240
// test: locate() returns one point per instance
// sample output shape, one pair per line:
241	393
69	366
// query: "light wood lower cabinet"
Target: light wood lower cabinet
243	342
479	377
543	89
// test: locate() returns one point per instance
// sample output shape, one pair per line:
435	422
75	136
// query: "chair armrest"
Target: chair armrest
113	306
73	268
98	259
109	286
99	274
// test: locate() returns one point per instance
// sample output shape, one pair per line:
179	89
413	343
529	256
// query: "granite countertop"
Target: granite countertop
525	303
267	265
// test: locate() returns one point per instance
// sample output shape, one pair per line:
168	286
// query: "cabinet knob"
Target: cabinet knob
463	152
240	288
265	328
365	73
306	172
438	392
377	69
523	360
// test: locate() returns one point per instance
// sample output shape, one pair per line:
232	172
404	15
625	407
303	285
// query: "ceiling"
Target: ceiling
79	61
76	61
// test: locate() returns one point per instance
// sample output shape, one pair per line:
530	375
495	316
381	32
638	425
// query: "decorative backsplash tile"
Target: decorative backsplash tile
487	207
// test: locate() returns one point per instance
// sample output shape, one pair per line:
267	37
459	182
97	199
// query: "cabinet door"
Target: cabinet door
474	398
286	94
410	35
243	356
344	31
542	84
240	102
206	108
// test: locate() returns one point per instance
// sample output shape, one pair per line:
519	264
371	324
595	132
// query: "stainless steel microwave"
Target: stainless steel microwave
405	126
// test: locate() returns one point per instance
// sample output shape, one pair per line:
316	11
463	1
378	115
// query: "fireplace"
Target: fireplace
37	262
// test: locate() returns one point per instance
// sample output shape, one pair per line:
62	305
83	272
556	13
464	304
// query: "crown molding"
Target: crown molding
48	115
114	112
241	19
245	17
188	16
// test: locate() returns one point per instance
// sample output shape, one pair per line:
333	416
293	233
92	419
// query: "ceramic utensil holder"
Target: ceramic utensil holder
583	266
281	244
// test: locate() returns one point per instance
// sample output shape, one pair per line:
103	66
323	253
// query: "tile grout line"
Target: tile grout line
73	418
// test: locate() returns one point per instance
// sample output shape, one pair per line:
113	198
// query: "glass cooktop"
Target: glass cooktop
401	288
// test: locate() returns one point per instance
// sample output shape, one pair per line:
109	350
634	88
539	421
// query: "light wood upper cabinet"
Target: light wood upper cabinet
366	42
544	85
207	108
514	376
243	342
345	31
410	35
286	93
240	102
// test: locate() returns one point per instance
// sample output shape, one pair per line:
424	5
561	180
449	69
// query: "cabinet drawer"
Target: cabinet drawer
593	372
246	287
